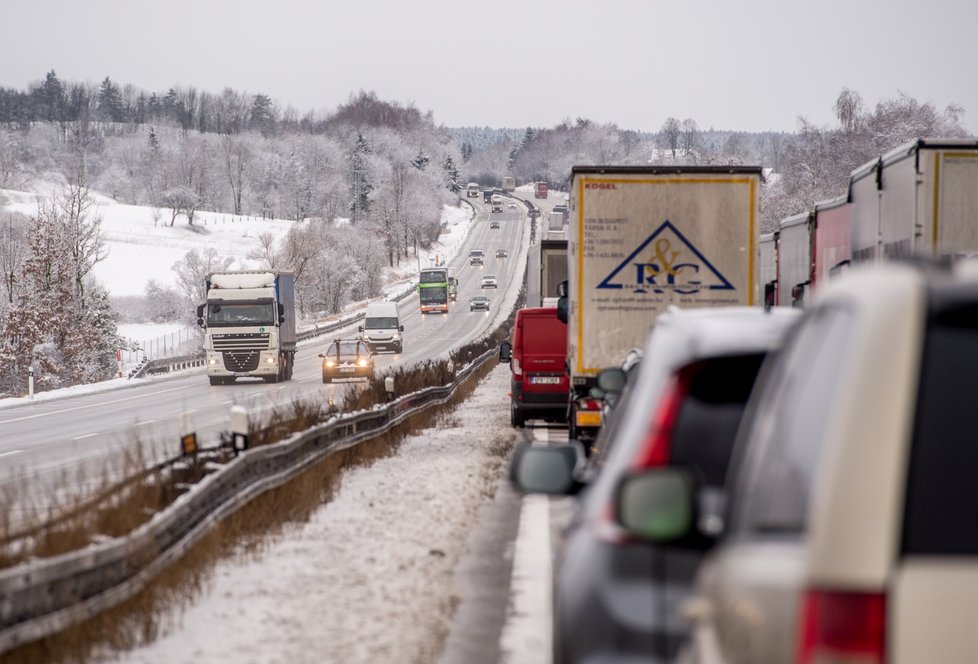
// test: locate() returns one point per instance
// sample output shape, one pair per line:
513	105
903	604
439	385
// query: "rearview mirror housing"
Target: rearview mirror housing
657	505
505	352
549	470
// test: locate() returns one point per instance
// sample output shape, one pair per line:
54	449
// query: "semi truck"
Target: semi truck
249	325
642	239
540	189
508	183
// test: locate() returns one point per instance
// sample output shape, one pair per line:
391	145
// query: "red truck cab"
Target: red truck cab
537	356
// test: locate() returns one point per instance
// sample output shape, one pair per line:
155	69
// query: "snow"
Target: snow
369	578
140	249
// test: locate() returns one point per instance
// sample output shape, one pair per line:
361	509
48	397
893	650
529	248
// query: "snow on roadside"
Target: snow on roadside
369	578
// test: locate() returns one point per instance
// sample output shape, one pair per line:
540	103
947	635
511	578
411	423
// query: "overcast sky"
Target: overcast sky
750	65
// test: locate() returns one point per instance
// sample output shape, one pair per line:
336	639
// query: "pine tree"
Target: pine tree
451	175
360	167
110	102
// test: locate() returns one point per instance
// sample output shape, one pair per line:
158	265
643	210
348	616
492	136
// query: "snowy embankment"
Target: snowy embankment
369	578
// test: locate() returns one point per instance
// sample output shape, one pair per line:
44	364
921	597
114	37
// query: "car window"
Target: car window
942	478
787	416
711	412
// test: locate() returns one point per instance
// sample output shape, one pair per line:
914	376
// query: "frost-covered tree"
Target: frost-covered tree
360	177
670	135
192	271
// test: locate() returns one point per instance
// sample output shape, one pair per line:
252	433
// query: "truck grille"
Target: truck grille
246	341
241	360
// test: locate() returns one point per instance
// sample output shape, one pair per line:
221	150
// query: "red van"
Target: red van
537	355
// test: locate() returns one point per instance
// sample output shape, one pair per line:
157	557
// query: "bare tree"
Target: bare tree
669	135
689	137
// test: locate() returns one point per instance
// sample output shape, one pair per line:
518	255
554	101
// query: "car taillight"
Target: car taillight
654	450
517	369
657	445
842	627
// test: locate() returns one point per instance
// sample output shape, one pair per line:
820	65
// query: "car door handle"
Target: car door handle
697	609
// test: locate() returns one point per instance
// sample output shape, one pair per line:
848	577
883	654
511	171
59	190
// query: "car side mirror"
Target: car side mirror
360	328
322	355
281	313
400	328
550	470
505	352
657	505
612	379
200	311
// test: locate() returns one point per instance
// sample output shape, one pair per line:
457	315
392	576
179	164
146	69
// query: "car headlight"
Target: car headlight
329	363
362	363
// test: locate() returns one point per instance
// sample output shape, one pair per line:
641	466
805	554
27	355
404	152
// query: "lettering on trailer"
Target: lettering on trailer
666	262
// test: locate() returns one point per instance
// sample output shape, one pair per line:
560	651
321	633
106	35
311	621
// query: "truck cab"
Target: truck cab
537	354
382	327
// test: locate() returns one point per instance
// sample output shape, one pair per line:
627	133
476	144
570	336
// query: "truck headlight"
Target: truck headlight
270	360
211	361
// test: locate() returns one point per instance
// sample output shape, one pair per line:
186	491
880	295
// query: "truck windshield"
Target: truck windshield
434	295
379	323
229	314
433	277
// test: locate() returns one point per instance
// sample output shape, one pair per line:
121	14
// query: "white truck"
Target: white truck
497	203
249	325
641	239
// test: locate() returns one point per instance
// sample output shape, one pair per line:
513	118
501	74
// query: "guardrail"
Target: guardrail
42	597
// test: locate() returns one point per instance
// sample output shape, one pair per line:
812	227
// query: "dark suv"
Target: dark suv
347	358
615	599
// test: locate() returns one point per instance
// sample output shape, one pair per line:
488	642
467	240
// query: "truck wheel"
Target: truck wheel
516	417
400	347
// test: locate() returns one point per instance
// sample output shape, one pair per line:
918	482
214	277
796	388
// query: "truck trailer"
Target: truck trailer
249	325
642	239
916	200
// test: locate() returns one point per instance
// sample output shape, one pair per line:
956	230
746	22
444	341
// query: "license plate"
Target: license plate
545	380
588	418
347	369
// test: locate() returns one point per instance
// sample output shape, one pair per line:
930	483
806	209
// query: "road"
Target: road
66	442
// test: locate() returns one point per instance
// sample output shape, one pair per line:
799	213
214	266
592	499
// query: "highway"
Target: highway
65	442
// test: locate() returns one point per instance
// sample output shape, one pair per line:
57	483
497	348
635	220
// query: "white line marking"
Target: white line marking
526	637
87	435
10	453
139	424
91	405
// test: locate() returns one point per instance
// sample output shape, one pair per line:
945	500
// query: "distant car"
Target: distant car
347	358
493	224
479	303
512	206
502	253
489	281
477	257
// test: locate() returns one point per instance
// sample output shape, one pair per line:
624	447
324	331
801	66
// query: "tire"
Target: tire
516	417
215	380
327	379
400	348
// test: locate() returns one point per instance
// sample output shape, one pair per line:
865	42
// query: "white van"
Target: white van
382	328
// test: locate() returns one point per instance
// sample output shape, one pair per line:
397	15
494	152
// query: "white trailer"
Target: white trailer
644	238
917	199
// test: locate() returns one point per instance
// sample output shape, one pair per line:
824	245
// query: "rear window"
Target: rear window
544	335
711	412
942	479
